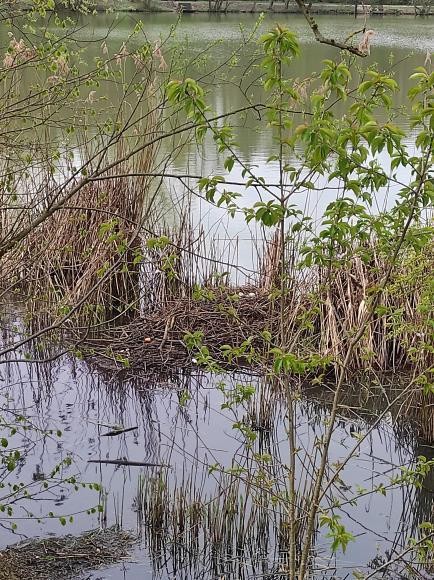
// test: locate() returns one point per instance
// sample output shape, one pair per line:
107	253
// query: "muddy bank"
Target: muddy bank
245	7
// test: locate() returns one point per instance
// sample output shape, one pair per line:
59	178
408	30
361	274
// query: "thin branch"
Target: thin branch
321	38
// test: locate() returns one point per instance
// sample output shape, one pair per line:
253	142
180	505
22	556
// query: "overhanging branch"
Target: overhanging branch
321	38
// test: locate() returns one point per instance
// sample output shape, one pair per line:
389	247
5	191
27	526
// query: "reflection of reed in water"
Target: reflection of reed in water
240	527
420	408
236	532
423	507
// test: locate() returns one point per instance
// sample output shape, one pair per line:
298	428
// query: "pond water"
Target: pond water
206	42
84	402
189	438
400	44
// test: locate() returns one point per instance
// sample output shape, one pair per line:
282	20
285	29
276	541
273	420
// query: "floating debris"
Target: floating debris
127	463
64	557
119	431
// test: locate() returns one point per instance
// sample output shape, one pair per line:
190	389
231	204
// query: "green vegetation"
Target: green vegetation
93	270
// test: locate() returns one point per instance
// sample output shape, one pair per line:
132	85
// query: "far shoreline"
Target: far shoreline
356	9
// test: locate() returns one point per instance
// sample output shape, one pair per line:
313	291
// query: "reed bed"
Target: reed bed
322	309
79	252
85	253
399	334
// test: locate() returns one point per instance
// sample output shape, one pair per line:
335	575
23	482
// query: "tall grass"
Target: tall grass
87	252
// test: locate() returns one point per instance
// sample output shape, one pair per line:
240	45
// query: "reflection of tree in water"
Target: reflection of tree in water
234	530
198	523
423	508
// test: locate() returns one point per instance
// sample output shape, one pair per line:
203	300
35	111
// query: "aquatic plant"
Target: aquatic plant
349	294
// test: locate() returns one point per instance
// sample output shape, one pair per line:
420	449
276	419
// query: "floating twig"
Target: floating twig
126	462
118	431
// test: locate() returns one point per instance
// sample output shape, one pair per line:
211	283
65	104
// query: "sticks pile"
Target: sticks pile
156	341
64	557
320	314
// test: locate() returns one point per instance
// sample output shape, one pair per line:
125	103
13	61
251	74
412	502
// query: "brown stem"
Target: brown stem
320	37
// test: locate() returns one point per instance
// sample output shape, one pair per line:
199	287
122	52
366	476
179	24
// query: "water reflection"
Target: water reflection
196	522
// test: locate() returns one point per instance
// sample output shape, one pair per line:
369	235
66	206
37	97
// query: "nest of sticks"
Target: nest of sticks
64	557
156	341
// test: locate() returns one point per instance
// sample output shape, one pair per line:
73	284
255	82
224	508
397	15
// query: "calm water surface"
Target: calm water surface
400	44
84	404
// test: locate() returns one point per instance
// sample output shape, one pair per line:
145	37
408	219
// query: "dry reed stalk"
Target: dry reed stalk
94	232
322	310
390	340
270	263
